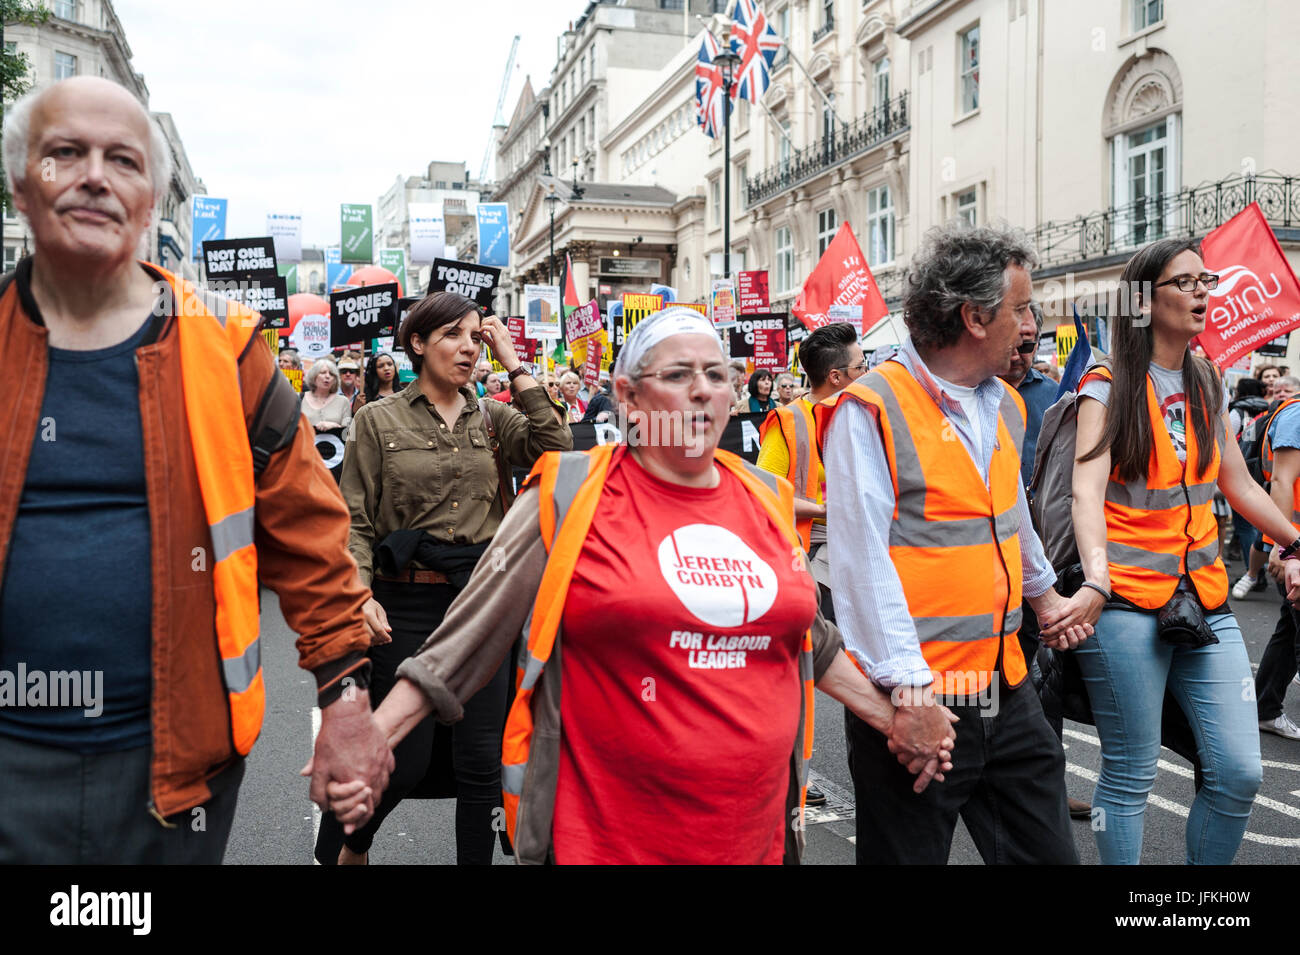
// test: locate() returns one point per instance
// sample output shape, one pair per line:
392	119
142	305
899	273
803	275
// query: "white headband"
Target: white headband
653	329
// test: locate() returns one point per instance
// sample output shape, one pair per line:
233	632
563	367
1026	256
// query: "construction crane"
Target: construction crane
499	118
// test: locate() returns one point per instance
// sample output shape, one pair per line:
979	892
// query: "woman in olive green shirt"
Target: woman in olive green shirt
422	480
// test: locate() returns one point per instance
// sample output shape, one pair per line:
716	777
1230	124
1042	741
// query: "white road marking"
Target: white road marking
315	809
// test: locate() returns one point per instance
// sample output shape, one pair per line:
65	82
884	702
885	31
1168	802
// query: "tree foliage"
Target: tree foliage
14	66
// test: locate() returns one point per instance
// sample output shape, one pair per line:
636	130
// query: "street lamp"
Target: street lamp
552	200
727	62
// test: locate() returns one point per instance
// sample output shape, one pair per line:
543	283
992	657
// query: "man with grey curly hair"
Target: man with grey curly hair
156	442
931	548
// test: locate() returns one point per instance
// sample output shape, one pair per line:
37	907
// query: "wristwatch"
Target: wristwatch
523	369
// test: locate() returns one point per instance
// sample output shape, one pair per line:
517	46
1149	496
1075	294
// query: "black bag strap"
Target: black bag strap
276	423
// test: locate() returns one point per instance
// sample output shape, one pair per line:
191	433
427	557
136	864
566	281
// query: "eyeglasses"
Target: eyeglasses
1187	283
860	366
679	376
785	386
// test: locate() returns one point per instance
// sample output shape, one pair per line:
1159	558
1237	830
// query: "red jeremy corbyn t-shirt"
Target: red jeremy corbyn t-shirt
681	688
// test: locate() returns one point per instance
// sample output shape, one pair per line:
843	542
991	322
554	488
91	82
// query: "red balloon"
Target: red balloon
304	303
374	275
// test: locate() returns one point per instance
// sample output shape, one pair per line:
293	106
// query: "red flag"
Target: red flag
840	278
1258	298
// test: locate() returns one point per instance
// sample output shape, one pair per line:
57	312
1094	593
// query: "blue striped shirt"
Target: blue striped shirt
870	608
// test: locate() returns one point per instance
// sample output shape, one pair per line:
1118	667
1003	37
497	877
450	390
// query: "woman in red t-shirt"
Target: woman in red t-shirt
682	630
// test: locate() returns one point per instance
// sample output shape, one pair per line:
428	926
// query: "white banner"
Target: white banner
286	229
428	232
542	311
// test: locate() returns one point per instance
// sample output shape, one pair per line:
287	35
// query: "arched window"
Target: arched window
1142	125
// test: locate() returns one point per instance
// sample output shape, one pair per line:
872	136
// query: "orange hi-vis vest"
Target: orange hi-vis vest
569	488
800	432
1160	527
954	538
1266	460
213	335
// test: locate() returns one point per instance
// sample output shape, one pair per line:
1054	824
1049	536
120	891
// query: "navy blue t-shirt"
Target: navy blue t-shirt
77	588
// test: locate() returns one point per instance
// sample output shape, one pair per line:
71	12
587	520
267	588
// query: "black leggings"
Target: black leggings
414	611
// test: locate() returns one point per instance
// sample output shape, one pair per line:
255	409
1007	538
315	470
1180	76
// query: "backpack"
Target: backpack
1051	489
1251	441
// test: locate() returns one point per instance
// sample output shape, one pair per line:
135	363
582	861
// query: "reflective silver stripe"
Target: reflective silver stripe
768	478
532	670
966	532
1203	556
1137	495
801	456
1010	414
977	626
1011	622
1008	523
512	778
573	469
240	671
805	665
231	533
1167	564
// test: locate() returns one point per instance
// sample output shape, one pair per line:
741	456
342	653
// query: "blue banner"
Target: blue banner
207	222
494	234
336	273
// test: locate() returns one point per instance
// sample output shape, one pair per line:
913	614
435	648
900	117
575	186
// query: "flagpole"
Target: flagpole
779	128
726	61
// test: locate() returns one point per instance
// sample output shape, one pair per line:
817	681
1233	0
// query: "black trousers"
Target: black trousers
1007	783
414	611
1278	664
59	807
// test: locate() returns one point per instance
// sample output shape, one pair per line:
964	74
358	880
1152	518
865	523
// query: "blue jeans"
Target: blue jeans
1126	667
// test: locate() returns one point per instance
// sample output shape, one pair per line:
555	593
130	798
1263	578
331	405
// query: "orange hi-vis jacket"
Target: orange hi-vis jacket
800	433
1266	459
569	488
954	538
1160	527
211	341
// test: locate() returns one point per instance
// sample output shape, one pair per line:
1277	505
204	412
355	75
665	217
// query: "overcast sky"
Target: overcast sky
298	106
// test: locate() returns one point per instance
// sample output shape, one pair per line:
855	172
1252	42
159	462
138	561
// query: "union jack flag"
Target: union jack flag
756	43
708	88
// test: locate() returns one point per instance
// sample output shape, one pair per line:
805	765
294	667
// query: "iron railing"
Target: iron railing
866	132
824	29
1188	212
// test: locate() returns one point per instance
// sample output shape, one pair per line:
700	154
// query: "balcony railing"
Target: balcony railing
824	29
866	132
1189	212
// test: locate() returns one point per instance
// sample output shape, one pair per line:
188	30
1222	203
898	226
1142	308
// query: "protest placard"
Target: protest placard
583	321
329	445
362	312
311	336
478	282
591	366
722	303
356	229
752	296
542	311
268	297
395	261
207	223
636	306
770	348
741	337
404	305
295	377
239	259
525	347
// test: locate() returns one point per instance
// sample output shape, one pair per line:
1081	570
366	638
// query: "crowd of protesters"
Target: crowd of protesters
619	658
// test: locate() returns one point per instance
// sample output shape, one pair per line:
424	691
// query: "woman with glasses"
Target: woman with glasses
1152	450
685	738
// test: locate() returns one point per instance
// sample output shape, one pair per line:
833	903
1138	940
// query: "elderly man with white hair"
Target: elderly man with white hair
153	473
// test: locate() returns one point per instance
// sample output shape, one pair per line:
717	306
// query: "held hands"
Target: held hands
1066	623
497	338
920	734
350	767
1291	579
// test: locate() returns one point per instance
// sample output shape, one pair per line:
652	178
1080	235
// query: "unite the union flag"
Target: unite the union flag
756	43
708	88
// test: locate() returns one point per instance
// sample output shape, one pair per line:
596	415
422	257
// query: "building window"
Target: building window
1146	13
880	81
970	70
742	184
672	4
967	207
825	229
828	14
65	9
784	261
11	257
880	227
828	117
715	200
591	124
65	65
1144	174
784	149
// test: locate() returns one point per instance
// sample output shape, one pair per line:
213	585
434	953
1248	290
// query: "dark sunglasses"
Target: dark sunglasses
1027	348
